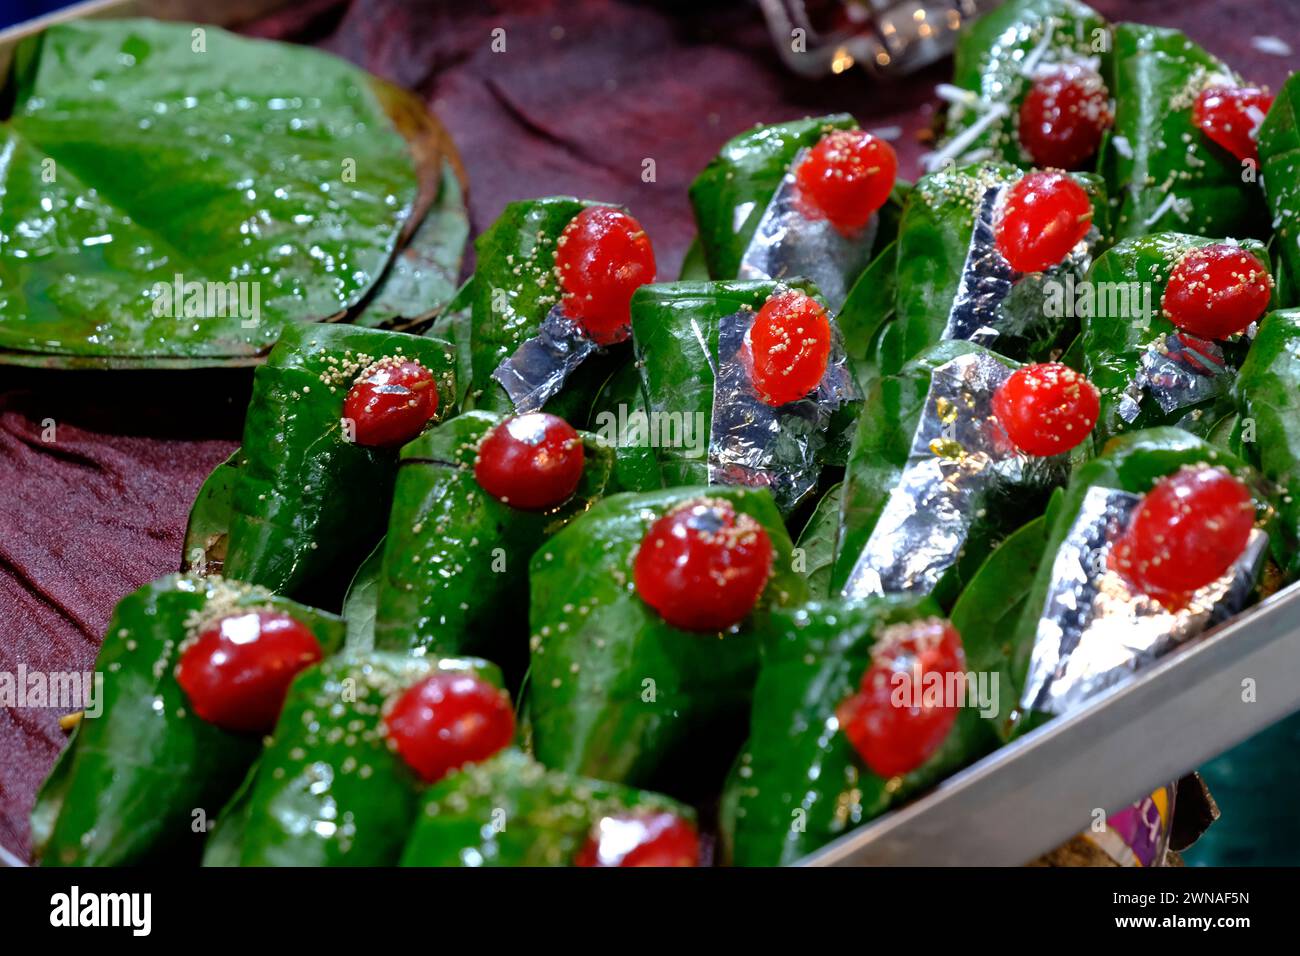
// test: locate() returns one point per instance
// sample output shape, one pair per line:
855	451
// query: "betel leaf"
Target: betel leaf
694	267
329	790
269	178
309	504
615	692
867	309
1162	171
361	599
128	789
817	543
799	783
454	573
208	530
621	417
512	811
1279	161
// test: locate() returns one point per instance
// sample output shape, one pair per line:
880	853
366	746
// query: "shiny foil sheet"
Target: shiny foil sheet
959	453
1177	371
788	243
541	365
1094	631
750	442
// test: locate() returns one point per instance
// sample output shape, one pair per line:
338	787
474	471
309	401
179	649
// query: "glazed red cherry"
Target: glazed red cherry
446	721
531	462
702	566
790	344
890	721
641	839
1188	530
847	176
236	672
603	256
1231	116
1216	291
1047	408
1063	116
391	402
1043	217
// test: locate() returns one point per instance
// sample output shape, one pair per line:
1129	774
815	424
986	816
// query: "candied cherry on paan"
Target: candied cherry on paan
702	566
391	402
1044	216
448	720
1063	117
1216	291
789	345
602	257
1046	408
531	462
1231	117
891	721
846	177
237	670
641	839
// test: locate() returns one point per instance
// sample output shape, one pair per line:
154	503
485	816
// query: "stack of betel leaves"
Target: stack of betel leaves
890	476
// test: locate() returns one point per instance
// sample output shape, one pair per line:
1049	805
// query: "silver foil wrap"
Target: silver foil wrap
959	452
750	442
1094	632
541	365
787	243
1177	371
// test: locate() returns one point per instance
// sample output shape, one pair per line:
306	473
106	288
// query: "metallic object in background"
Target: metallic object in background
885	37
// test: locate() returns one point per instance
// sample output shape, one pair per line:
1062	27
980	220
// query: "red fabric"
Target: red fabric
584	93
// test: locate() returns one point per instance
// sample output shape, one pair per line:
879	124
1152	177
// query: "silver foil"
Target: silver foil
959	451
1094	632
1178	371
541	365
750	442
787	243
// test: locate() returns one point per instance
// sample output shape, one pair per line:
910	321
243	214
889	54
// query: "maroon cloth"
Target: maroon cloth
585	91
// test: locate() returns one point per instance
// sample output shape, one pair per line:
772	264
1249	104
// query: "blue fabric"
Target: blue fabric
16	11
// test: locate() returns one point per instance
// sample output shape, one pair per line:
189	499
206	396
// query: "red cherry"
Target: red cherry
1046	409
1043	217
1063	116
1216	291
391	402
603	256
448	720
1188	530
790	344
891	736
1231	116
531	462
847	176
702	566
237	671
641	839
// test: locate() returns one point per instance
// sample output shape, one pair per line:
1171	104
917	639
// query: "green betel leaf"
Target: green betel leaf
1162	171
208	530
817	543
615	692
309	503
1279	161
329	791
361	601
512	811
799	782
621	417
454	575
168	205
139	782
995	59
1123	327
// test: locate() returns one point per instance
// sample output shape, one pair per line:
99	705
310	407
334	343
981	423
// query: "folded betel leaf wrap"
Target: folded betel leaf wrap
933	482
141	781
309	504
512	811
952	283
260	183
455	568
815	548
799	782
1279	163
617	693
707	423
995	61
1082	628
208	529
621	417
329	791
866	313
1148	371
1162	171
1267	390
